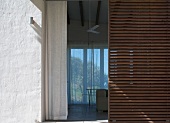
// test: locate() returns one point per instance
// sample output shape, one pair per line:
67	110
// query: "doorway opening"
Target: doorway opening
87	60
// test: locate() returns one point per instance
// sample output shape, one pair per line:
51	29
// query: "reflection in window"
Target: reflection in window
88	68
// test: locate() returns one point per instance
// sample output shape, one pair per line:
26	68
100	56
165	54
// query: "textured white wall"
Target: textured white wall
20	61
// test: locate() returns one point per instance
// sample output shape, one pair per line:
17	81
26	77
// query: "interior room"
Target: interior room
87	60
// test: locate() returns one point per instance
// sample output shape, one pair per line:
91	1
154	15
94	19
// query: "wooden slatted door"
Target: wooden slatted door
139	61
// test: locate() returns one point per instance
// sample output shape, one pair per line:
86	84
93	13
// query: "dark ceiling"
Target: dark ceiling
88	11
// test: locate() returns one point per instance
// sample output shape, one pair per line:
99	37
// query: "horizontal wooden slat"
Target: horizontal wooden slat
140	51
140	89
141	6
141	116
139	63
142	110
141	113
138	10
138	81
143	69
140	95
141	84
137	2
138	54
139	73
134	85
141	32
145	57
139	92
121	28
139	35
139	78
123	97
141	26
139	47
141	119
117	70
138	60
111	121
141	106
140	19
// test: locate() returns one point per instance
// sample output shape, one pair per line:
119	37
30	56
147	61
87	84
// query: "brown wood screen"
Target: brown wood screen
139	61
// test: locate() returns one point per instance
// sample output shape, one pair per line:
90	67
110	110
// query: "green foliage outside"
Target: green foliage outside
76	84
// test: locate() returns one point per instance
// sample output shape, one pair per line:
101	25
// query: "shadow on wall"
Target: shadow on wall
37	28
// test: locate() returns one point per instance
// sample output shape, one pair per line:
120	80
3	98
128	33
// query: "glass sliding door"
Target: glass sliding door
87	70
76	76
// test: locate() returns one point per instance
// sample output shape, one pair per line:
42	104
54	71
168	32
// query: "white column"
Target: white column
57	59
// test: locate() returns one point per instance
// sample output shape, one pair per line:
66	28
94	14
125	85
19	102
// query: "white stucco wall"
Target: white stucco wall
20	61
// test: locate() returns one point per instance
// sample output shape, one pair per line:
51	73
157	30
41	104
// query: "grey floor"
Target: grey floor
86	113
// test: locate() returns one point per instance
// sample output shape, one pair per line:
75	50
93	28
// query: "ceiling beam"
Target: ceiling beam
68	18
98	12
81	12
